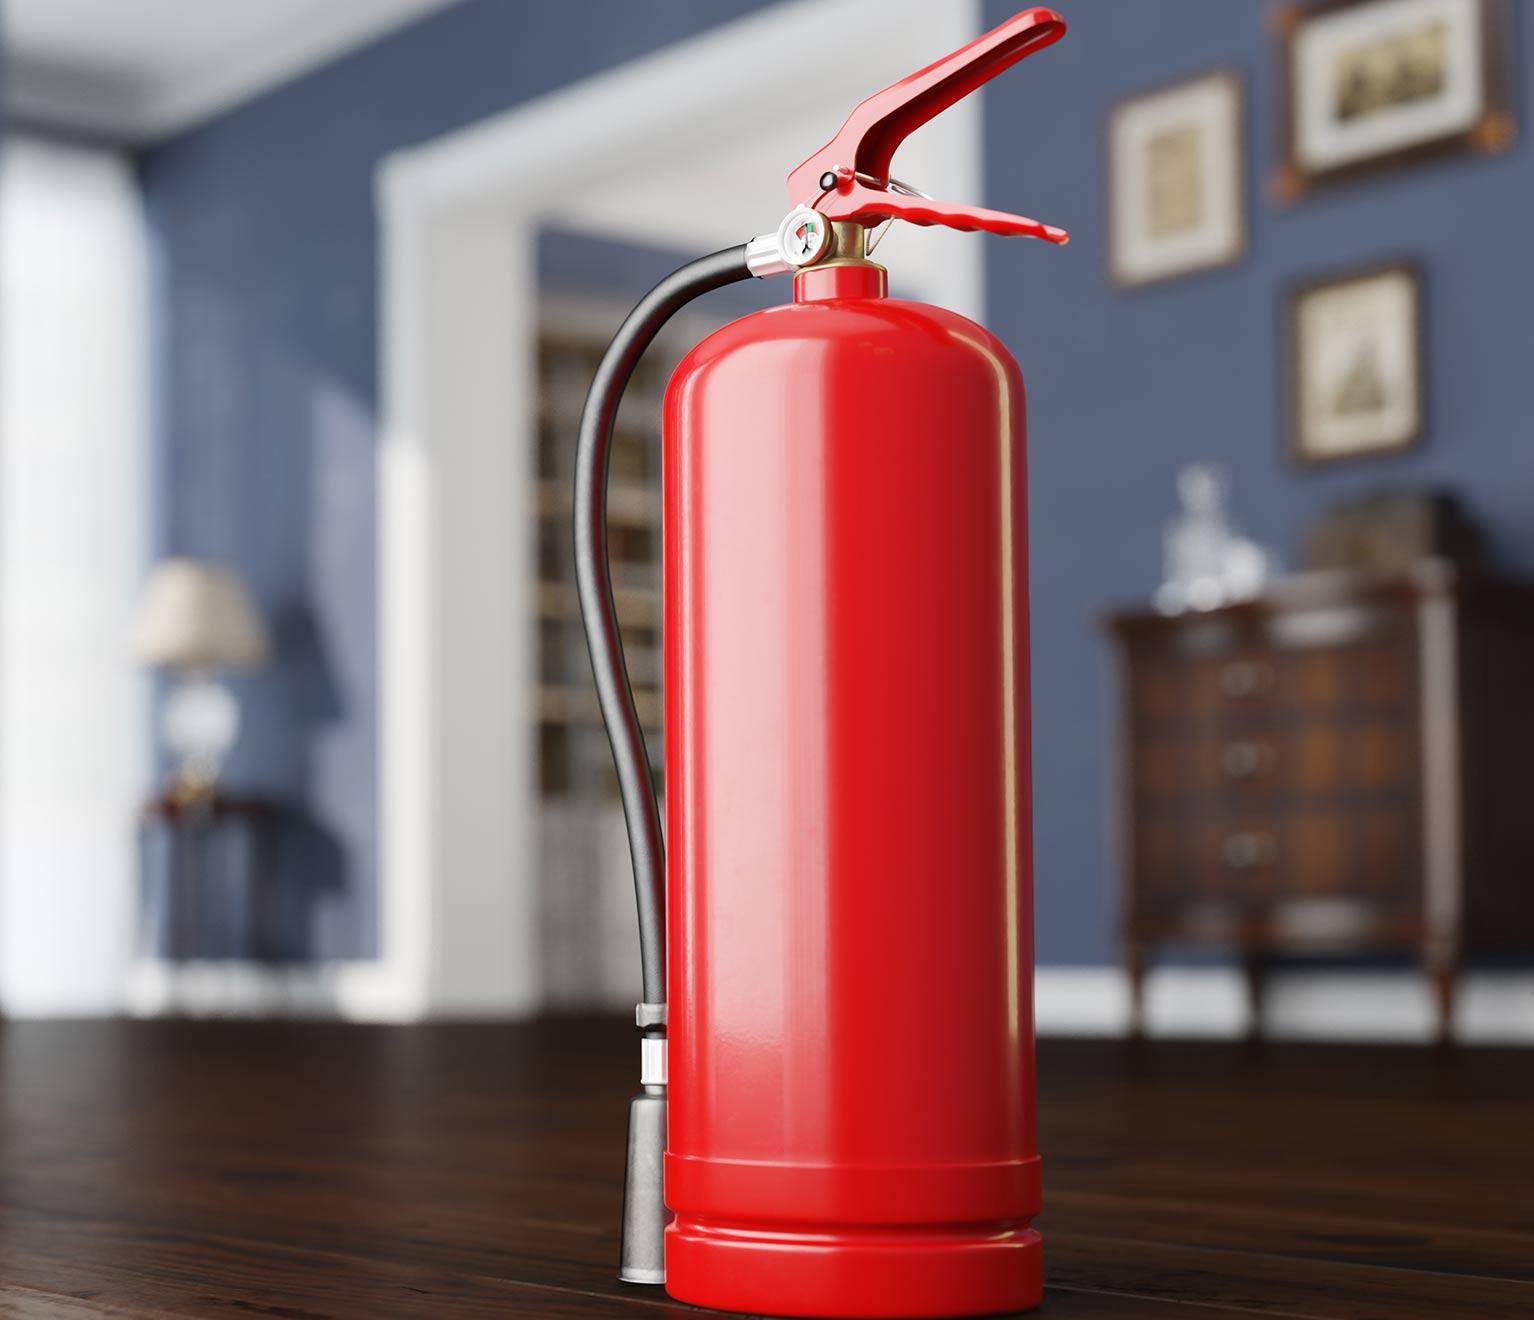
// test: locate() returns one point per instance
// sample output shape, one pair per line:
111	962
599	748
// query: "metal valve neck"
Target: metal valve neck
845	271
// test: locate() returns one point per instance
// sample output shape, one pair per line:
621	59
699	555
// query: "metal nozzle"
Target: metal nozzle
641	1254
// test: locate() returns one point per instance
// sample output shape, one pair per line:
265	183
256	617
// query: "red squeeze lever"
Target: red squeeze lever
849	177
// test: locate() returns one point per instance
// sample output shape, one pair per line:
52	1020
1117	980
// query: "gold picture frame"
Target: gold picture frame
1177	180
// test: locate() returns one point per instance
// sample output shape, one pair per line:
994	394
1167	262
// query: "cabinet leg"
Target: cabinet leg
1255	970
1134	966
1443	971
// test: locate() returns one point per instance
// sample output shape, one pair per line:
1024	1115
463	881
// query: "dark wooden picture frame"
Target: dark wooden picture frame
1495	130
1302	446
1229	79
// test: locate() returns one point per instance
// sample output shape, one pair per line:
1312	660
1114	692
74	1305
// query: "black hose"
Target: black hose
593	581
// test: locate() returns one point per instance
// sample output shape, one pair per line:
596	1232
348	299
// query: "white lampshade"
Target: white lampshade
198	615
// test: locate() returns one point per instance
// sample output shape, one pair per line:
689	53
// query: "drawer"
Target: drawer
1238	680
1280	761
1254	859
1310	760
1241	857
1235	688
1231	859
1208	769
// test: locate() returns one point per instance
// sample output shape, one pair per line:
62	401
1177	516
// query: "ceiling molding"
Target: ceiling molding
78	102
73	66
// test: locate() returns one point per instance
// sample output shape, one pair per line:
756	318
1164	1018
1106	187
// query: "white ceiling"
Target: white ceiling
136	70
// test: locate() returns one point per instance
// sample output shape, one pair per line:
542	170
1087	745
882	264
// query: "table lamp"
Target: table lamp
197	620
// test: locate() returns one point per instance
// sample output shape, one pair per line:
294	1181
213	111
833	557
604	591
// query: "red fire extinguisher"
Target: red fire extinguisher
837	942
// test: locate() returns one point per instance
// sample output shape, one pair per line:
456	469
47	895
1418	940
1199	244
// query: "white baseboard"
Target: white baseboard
1493	1007
225	989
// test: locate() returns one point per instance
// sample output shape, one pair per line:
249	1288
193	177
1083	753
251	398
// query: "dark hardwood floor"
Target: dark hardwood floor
306	1170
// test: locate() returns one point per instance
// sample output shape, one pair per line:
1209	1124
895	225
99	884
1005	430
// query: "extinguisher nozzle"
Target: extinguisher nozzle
641	1255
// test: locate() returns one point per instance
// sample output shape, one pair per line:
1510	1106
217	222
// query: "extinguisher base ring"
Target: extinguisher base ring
974	1269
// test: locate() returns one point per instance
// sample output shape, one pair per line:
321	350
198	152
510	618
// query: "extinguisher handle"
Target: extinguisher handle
858	158
868	205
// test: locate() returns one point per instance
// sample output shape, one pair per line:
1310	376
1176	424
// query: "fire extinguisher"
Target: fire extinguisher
837	935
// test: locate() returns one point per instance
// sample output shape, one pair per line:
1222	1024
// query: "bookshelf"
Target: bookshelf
573	757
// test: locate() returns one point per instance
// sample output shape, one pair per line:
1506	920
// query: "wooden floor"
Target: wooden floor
298	1171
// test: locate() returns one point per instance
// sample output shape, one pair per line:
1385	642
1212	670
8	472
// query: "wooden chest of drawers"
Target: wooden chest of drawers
1338	767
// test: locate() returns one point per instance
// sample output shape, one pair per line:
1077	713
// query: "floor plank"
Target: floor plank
1258	1281
316	1170
1401	1243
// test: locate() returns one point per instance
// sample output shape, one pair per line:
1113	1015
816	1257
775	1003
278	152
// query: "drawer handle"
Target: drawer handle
1248	850
1246	678
1242	760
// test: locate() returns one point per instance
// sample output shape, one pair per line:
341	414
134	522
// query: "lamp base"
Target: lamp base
200	721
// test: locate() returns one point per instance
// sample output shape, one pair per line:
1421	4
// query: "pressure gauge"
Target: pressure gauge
803	236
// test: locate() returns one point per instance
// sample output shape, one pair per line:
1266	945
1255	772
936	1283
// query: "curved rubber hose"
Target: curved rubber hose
593	581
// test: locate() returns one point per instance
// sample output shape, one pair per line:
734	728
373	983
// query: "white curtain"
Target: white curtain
73	541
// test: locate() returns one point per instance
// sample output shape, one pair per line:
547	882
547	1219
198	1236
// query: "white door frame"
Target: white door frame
631	153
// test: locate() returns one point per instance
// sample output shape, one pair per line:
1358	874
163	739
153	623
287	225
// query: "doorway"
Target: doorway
687	148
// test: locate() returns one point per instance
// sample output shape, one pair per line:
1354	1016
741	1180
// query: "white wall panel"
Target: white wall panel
73	534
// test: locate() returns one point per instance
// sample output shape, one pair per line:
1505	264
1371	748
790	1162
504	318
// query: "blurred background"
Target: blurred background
298	305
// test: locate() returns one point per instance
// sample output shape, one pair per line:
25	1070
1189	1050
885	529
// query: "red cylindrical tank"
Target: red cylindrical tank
851	1127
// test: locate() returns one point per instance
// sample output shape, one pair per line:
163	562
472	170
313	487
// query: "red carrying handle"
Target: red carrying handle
856	162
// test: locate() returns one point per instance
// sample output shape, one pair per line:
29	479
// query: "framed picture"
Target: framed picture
1355	365
1370	84
1176	190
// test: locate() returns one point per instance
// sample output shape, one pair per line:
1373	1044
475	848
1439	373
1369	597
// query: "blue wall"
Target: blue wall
265	248
266	239
1123	388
